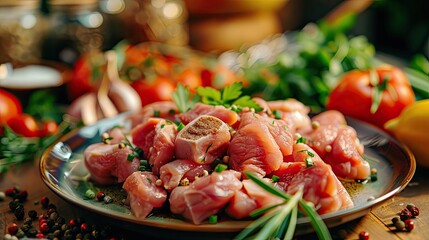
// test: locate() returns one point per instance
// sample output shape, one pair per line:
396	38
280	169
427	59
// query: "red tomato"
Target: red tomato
159	90
87	74
9	106
190	79
24	124
48	128
219	77
354	95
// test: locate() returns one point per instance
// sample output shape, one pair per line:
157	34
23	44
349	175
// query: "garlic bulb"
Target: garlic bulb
113	96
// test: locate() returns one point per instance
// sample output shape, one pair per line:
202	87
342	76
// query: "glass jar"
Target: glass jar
162	21
21	29
75	27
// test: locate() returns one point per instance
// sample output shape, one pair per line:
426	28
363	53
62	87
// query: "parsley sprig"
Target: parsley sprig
15	149
183	99
279	220
230	96
227	97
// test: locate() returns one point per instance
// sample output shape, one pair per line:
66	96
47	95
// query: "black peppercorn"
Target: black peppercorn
19	212
14	204
32	214
32	232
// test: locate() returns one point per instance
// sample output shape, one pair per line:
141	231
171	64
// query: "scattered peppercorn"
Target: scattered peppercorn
10	192
108	199
2	196
405	214
72	222
32	232
364	235
100	196
12	229
14	204
60	220
40	235
400	225
43	227
84	227
44	201
415	211
19	212
28	221
395	219
409	224
21	195
50	224
32	214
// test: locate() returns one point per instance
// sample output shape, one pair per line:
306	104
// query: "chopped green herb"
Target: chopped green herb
89	194
142	169
180	126
130	157
220	167
144	166
213	219
171	111
277	114
275	178
309	163
162	126
138	152
208	147
168	121
156	113
107	139
301	140
308	152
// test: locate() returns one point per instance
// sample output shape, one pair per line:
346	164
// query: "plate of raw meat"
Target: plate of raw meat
170	172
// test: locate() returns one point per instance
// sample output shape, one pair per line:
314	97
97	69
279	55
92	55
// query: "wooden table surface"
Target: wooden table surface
377	223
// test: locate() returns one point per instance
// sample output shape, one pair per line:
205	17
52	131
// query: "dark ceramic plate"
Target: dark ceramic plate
63	171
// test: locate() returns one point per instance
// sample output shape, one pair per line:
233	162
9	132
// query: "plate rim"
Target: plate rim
331	219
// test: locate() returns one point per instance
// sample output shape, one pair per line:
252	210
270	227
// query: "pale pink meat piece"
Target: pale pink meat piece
107	163
338	145
203	140
162	109
173	172
330	117
346	158
156	138
117	135
226	115
142	135
321	139
205	196
143	194
241	205
277	128
254	149
319	182
293	112
263	104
